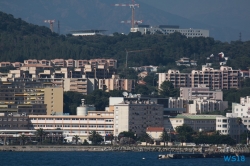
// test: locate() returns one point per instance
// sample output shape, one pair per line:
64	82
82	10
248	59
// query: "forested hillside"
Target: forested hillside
20	40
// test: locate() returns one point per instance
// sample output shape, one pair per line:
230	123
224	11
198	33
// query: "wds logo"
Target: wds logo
234	158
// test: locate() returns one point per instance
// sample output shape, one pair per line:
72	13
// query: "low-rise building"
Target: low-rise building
228	125
197	122
155	133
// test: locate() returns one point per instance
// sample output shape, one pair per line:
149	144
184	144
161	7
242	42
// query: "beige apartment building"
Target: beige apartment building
115	83
81	85
223	78
53	98
190	93
24	96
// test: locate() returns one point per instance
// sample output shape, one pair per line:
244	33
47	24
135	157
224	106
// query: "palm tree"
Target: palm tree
40	132
76	138
164	136
95	137
22	139
239	122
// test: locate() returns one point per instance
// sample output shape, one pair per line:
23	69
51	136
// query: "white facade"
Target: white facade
201	105
197	122
242	109
99	121
168	29
228	125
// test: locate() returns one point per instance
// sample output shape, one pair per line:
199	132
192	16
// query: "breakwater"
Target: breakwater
127	148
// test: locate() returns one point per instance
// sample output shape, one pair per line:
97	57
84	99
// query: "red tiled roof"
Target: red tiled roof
155	129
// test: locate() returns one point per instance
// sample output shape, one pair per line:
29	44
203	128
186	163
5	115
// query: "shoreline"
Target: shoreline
63	148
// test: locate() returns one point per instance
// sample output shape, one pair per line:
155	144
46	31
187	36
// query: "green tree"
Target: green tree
239	122
40	133
76	138
164	137
95	137
22	139
185	133
146	138
167	89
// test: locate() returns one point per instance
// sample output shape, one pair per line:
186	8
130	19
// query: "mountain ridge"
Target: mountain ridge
96	14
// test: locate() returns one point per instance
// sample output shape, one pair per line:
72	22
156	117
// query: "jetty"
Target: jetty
200	155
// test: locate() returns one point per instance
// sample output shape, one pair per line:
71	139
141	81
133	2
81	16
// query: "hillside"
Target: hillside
20	40
98	14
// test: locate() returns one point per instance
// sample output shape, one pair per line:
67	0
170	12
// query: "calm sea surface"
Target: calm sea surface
103	158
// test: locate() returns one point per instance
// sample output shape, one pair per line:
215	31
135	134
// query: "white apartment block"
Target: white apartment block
242	109
223	78
227	125
197	105
201	105
177	102
168	29
99	121
197	122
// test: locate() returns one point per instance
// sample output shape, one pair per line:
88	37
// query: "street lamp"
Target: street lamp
247	137
169	130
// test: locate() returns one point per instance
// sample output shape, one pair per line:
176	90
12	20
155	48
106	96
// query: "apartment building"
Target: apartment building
53	98
20	95
178	79
201	105
81	125
242	109
228	125
5	64
223	78
30	61
10	121
190	93
197	122
115	83
45	62
81	85
136	116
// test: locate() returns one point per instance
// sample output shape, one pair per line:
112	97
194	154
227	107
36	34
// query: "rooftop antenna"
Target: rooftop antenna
240	36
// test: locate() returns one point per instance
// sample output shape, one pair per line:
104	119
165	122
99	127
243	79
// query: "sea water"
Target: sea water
105	159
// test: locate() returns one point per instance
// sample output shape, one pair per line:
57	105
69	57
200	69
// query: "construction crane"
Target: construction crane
127	52
51	22
132	6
